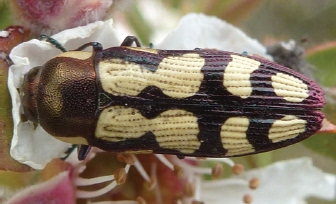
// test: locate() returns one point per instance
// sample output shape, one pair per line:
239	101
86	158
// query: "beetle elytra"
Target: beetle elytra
201	102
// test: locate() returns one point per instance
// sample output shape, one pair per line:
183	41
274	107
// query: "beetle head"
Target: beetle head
29	94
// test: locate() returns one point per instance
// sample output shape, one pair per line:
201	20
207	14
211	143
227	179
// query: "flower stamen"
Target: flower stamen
189	189
247	198
165	161
217	171
238	169
126	158
254	183
140	168
120	176
151	184
178	171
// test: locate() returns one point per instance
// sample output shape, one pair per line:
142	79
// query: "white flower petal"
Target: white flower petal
201	31
289	182
31	146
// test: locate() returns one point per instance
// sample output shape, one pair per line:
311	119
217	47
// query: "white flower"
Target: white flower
33	146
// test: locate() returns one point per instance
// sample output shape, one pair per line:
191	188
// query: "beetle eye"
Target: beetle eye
28	94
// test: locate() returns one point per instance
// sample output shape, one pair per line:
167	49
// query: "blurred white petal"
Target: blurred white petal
201	31
290	182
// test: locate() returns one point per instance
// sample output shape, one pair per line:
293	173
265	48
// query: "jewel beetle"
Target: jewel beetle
201	102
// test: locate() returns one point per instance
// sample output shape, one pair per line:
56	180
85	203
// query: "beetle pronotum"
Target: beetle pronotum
201	102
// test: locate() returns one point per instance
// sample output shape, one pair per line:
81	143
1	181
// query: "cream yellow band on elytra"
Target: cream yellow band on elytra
76	54
173	129
237	75
233	136
141	49
178	76
286	128
290	88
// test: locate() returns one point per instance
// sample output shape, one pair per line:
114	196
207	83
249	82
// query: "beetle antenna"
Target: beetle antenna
53	42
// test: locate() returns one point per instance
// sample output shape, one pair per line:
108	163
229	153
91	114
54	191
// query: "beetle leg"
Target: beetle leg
95	45
129	40
69	151
83	151
53	42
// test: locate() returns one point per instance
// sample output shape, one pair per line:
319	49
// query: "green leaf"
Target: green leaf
139	24
323	58
324	144
5	16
